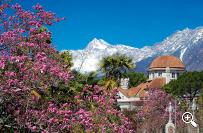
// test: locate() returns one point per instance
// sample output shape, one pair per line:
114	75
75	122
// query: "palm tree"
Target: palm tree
115	66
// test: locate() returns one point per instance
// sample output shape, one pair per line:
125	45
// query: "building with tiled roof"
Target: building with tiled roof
162	62
167	66
161	71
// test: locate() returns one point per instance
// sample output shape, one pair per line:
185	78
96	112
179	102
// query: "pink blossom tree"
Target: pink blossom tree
93	110
106	116
154	114
27	59
29	64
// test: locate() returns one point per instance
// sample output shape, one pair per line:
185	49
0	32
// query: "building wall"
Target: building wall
127	104
122	96
169	75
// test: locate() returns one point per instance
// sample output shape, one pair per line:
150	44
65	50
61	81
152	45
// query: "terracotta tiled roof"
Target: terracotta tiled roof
166	61
142	94
157	82
140	89
133	91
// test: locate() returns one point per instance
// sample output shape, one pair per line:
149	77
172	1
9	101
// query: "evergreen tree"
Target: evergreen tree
136	78
188	85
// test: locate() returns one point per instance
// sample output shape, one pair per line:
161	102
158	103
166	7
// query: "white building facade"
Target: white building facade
161	71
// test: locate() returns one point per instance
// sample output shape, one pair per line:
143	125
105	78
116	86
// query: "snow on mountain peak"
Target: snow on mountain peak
97	44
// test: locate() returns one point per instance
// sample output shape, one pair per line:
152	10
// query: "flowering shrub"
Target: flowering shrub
93	110
27	59
55	118
154	114
106	116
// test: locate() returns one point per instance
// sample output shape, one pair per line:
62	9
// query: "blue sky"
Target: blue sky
132	22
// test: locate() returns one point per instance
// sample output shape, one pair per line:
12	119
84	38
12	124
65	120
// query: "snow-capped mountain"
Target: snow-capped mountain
186	44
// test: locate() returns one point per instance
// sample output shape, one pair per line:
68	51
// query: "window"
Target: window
178	74
173	75
160	74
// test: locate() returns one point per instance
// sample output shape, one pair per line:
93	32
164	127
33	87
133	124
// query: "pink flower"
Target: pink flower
37	7
53	120
2	64
10	74
17	6
33	128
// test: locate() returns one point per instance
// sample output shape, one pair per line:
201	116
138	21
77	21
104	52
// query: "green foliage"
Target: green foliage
200	101
92	78
109	84
136	78
61	92
79	80
42	29
116	65
67	58
6	120
199	114
188	84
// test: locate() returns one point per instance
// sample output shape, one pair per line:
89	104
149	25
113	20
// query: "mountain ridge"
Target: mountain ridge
181	44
